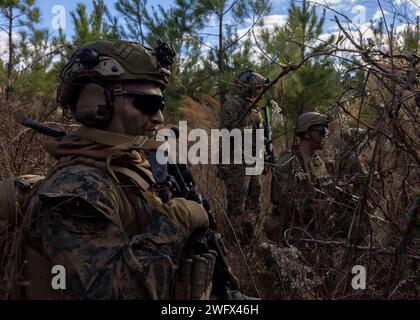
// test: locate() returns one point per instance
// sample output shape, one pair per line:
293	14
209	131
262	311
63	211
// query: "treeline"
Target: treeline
214	41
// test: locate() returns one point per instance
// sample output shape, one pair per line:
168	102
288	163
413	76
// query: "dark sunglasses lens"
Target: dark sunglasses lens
149	104
322	132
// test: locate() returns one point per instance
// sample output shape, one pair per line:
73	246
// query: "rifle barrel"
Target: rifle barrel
42	128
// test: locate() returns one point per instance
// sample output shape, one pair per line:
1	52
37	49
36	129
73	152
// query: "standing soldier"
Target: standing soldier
242	191
97	213
295	175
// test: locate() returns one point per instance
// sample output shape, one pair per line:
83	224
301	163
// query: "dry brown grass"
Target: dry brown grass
309	271
199	115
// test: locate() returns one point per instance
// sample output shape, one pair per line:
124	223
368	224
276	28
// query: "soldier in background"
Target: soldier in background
295	177
242	191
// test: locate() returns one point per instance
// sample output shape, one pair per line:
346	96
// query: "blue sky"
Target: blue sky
47	6
359	11
355	9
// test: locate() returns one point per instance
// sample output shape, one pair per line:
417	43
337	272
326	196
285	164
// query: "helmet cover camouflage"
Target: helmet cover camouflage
308	119
249	81
112	60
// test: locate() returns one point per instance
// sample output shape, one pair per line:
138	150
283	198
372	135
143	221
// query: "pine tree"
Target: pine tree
133	12
94	26
36	55
316	84
228	39
411	38
15	16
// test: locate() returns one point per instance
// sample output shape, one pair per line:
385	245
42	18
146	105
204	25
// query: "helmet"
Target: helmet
309	119
105	61
248	81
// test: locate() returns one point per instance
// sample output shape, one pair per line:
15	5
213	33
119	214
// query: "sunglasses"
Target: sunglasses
147	103
321	132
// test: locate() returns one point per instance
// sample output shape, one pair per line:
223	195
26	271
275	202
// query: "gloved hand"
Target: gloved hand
187	213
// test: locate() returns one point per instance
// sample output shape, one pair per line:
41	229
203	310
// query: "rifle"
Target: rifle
42	128
268	142
223	280
179	181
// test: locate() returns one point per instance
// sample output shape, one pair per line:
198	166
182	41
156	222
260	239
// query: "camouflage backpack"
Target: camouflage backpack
15	194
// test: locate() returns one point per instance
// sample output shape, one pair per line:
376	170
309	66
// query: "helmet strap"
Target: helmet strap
117	95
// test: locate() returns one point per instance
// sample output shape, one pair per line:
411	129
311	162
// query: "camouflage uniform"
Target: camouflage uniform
294	202
97	213
242	191
115	240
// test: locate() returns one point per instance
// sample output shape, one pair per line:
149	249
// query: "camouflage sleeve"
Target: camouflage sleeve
80	230
229	114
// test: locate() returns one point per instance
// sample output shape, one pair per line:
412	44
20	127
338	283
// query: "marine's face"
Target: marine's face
257	92
318	136
142	110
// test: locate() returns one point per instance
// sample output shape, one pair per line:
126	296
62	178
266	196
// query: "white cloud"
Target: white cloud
378	14
275	19
358	14
270	22
212	22
408	3
330	3
4	44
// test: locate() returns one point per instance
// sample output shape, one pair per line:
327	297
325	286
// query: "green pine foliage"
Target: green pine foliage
212	43
94	26
316	84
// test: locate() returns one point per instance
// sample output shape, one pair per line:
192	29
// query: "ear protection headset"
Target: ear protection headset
95	104
94	107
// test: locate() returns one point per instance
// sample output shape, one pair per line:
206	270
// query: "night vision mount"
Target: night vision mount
89	57
165	54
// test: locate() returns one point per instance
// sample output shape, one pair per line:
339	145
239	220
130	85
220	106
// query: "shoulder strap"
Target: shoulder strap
145	184
138	179
118	141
